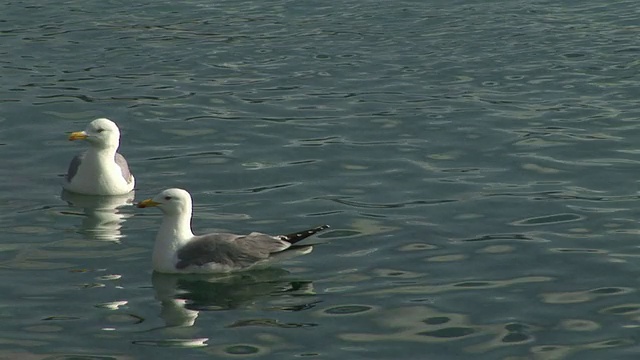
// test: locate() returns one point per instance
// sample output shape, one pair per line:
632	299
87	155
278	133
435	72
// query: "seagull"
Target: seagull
178	250
101	170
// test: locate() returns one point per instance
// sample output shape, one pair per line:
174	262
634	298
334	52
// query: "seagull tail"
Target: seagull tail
300	235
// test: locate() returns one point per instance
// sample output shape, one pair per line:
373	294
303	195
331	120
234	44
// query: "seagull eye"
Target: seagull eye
167	197
100	130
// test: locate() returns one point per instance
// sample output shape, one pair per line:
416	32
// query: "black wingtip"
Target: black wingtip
301	235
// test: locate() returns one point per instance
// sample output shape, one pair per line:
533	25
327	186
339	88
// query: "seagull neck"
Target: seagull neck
176	227
102	153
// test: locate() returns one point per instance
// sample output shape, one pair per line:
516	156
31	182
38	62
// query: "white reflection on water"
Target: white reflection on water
102	218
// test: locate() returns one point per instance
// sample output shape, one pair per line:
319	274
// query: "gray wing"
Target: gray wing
124	167
236	251
73	166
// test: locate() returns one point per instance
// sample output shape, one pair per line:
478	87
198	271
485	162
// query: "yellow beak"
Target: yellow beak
147	203
78	135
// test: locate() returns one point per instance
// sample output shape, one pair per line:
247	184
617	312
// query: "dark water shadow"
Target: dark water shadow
183	297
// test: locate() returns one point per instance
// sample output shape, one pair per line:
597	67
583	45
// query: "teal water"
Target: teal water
477	162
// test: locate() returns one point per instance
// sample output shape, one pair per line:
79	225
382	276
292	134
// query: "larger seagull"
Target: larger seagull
178	250
101	170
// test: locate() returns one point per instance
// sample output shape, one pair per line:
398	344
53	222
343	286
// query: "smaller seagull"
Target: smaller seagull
178	250
101	170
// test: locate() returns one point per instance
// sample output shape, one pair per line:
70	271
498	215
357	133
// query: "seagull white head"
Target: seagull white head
101	133
171	202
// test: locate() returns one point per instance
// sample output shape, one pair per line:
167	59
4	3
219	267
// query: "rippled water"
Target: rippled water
477	162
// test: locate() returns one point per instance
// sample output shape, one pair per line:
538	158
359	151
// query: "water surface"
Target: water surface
477	162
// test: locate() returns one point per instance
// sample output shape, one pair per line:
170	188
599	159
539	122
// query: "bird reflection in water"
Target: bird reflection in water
182	297
102	216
